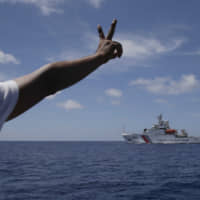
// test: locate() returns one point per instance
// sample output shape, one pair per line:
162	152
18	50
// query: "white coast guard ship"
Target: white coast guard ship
160	133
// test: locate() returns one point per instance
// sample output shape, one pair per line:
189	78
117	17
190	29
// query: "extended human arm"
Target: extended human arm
59	75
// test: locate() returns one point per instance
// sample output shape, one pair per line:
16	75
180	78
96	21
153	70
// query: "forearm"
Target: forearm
52	78
70	72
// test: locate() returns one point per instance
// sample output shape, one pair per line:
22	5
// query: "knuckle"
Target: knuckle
108	42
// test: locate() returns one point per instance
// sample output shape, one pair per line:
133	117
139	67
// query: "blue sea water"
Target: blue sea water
98	170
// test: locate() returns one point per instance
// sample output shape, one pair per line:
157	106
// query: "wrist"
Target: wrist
100	57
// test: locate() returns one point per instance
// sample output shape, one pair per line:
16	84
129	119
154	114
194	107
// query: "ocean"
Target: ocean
98	171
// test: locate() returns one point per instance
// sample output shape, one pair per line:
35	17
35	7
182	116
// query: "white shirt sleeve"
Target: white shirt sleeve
9	93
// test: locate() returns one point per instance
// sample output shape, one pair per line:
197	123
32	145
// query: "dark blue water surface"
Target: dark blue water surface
98	170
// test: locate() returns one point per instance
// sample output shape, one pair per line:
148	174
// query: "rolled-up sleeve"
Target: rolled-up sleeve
9	93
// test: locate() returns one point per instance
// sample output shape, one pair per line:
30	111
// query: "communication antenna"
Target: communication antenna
123	128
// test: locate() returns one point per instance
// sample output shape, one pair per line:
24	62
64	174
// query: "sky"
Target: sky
158	73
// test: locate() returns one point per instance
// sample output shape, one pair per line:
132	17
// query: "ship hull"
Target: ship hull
171	139
133	138
159	139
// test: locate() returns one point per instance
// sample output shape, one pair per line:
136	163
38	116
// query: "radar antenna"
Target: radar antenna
160	118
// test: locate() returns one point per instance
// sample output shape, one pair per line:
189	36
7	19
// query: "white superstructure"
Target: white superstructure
160	133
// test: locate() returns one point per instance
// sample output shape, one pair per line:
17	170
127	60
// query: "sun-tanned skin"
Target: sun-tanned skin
59	75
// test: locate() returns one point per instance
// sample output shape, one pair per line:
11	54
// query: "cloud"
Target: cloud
112	92
167	86
100	99
161	101
196	115
47	7
3	77
115	102
71	105
68	55
195	100
192	53
140	47
138	50
91	40
96	3
8	58
50	97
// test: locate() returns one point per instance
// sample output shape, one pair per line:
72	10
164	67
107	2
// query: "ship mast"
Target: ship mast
160	119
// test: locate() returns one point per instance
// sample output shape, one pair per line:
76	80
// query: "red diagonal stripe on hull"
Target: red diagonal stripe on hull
145	139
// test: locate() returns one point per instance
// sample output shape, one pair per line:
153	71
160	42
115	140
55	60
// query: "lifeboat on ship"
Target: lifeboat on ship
170	131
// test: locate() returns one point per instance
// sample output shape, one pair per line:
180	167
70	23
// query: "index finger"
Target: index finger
112	30
100	31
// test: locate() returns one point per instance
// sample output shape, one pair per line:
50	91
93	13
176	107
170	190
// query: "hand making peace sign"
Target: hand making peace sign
107	48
